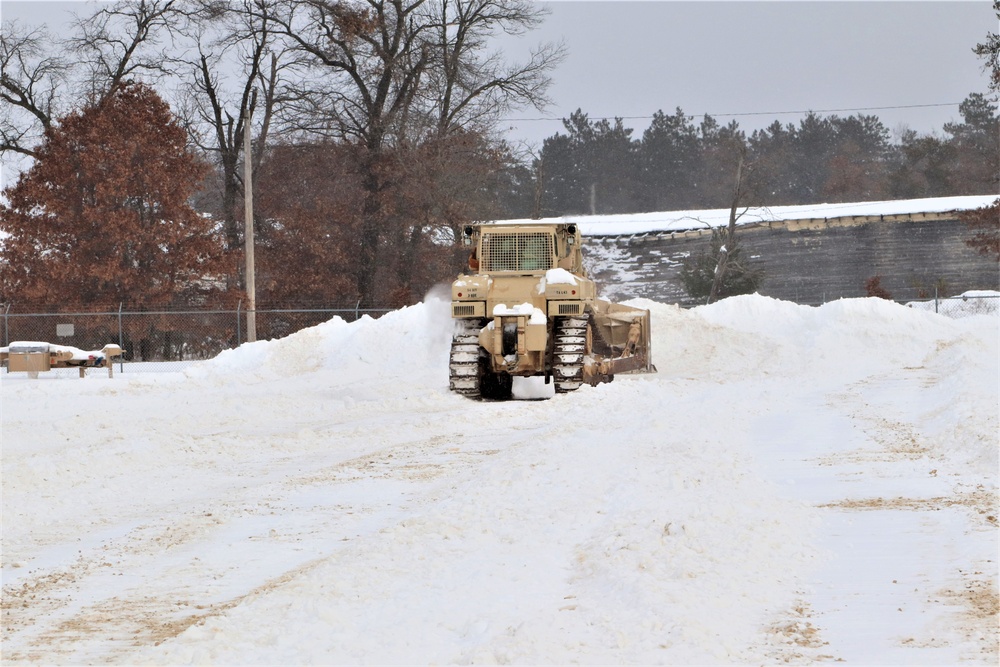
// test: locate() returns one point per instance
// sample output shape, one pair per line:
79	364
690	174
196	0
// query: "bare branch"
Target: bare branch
237	60
32	74
125	40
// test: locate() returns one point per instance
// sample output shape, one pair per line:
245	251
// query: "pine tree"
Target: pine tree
990	52
670	162
976	169
699	271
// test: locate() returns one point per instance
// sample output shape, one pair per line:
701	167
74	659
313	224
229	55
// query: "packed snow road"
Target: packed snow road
794	485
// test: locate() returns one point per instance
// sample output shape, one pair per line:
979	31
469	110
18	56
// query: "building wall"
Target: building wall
806	262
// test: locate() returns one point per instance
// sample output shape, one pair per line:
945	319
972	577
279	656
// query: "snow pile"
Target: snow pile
795	485
411	342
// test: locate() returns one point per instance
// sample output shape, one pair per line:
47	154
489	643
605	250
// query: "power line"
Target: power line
753	113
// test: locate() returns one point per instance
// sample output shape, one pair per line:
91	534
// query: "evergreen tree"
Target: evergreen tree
720	147
697	273
669	163
772	151
990	51
612	167
562	188
591	168
977	163
679	165
857	169
922	167
814	143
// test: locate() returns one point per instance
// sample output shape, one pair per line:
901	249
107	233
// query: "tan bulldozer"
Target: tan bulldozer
526	308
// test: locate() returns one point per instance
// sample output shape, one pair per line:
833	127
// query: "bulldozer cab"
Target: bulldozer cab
524	249
521	252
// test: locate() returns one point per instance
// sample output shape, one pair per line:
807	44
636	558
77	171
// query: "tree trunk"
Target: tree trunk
730	238
409	256
371	223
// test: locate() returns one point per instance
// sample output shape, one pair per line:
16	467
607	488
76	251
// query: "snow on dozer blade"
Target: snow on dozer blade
621	342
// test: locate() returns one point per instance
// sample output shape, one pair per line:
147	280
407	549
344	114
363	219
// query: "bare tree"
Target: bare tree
387	72
729	244
236	58
473	87
722	271
32	74
40	74
125	40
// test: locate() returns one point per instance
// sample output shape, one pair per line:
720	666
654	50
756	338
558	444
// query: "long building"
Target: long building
809	254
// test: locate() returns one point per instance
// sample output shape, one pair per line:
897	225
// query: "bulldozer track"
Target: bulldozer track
463	366
569	347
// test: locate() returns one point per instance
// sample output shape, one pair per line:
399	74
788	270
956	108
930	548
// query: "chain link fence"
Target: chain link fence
164	340
964	305
169	340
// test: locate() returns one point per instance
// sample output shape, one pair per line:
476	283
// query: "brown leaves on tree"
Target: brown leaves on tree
103	218
435	189
311	218
984	223
308	213
873	288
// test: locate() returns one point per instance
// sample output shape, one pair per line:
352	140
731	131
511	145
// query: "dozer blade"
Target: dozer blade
625	332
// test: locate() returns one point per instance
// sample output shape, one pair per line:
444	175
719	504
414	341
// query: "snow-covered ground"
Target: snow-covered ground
795	484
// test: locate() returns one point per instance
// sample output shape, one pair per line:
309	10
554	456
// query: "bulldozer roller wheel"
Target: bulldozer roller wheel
464	369
569	348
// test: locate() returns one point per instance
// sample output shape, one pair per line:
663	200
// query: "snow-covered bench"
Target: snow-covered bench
34	357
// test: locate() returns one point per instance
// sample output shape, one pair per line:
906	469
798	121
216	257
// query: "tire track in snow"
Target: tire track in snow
48	613
536	540
892	448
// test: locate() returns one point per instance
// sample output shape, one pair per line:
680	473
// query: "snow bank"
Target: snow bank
411	342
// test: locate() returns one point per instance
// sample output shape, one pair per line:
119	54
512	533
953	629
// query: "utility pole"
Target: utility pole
248	222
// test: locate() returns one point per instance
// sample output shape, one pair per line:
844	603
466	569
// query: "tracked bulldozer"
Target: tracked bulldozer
526	308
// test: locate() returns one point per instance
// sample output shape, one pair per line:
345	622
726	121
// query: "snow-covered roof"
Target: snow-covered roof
677	221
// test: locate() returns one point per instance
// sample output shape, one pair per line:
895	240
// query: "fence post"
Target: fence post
6	331
239	331
121	341
935	298
356	307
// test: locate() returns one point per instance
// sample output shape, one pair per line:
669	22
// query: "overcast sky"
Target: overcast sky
632	58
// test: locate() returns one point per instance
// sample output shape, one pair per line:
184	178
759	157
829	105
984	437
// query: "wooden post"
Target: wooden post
248	215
